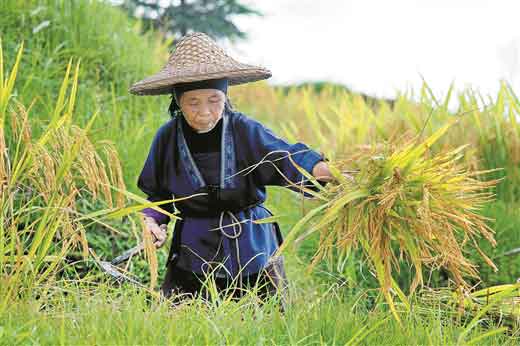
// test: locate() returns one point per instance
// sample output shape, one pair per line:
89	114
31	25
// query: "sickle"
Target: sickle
127	254
111	268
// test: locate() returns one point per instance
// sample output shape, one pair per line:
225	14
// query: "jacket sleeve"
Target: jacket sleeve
150	180
272	153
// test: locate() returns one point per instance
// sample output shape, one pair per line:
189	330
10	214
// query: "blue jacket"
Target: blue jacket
217	225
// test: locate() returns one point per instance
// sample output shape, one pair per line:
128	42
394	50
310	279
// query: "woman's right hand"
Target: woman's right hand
159	232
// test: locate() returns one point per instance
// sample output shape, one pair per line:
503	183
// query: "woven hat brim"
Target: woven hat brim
163	81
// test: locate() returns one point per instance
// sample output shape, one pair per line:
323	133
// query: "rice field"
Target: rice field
419	248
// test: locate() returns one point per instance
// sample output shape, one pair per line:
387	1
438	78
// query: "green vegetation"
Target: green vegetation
73	142
112	54
105	316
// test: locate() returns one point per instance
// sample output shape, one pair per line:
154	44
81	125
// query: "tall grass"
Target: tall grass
318	315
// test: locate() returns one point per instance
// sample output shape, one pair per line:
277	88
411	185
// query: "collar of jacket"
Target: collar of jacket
227	157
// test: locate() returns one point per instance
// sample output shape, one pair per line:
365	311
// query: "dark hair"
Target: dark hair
174	109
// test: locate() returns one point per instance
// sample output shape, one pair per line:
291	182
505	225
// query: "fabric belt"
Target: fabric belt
235	225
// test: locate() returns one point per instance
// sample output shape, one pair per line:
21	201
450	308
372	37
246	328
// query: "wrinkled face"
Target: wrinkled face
202	108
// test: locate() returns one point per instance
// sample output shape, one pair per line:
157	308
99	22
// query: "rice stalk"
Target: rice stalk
150	254
42	179
6	88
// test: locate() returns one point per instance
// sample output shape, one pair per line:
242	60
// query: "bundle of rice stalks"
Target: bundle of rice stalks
403	205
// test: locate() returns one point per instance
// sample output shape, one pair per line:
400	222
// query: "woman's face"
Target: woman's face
202	108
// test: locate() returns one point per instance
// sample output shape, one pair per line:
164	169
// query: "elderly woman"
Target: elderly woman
224	160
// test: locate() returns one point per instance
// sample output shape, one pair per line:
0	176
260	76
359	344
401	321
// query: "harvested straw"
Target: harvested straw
403	205
501	302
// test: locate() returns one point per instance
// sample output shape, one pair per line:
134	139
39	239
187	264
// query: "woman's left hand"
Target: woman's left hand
159	232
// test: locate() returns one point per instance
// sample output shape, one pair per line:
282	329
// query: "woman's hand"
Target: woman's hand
159	232
321	172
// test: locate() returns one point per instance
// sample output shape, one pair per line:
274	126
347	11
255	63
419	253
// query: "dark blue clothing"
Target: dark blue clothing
231	187
202	142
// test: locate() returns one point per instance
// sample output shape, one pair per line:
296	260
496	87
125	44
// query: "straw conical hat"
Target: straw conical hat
197	57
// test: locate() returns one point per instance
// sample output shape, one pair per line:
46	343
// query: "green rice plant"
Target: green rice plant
403	205
6	88
42	179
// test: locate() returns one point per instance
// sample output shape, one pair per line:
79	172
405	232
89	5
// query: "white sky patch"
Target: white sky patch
379	47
